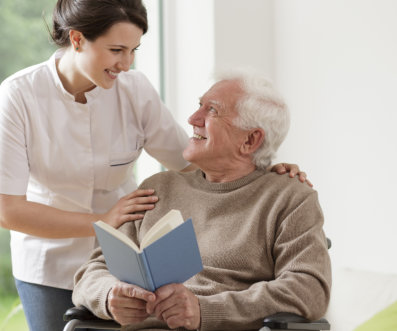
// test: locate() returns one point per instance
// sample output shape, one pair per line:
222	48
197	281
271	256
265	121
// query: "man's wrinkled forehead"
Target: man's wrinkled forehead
208	101
219	95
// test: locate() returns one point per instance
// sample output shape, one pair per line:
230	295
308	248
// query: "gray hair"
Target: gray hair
260	107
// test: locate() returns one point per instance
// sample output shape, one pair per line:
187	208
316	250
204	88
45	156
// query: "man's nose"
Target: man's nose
197	118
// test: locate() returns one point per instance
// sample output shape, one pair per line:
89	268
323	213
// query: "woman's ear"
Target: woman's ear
253	141
75	39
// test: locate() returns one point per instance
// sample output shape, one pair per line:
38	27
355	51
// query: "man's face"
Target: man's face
216	140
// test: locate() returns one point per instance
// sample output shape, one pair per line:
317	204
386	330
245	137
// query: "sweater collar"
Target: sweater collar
204	184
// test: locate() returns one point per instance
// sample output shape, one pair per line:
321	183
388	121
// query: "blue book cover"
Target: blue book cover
172	258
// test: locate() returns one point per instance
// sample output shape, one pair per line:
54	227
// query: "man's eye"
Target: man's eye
116	50
212	110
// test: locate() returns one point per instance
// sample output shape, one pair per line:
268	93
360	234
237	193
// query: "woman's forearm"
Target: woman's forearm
16	213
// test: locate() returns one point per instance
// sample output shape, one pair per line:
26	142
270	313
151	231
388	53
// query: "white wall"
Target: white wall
335	63
244	35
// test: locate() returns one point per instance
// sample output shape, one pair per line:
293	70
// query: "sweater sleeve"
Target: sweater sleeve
302	276
93	282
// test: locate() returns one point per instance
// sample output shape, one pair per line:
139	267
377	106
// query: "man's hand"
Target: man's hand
293	169
177	306
127	303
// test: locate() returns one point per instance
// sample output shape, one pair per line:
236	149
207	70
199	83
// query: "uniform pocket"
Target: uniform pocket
120	166
117	160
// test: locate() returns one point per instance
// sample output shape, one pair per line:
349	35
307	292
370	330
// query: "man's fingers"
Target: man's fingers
132	291
162	293
127	304
140	293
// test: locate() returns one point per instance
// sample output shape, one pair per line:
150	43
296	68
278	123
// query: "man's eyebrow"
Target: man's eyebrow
212	101
216	103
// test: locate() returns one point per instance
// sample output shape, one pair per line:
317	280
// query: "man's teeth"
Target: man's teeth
197	136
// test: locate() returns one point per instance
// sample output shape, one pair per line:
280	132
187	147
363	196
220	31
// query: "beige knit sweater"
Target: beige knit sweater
261	241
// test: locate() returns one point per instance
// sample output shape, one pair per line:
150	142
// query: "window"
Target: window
149	60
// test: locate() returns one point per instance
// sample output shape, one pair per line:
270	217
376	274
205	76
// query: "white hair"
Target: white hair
260	107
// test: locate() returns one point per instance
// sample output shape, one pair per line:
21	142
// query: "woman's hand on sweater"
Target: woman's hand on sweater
177	306
130	207
127	303
292	169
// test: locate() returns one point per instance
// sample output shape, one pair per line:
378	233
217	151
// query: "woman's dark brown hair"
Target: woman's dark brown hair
93	18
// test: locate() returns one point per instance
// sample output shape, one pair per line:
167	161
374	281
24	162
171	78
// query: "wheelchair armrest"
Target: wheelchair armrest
289	321
79	313
81	317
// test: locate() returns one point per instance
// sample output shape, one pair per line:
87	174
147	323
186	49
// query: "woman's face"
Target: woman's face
100	61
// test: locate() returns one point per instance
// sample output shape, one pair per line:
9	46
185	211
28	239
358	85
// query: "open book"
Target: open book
168	252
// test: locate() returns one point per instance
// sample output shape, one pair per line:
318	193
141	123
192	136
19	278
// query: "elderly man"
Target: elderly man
260	234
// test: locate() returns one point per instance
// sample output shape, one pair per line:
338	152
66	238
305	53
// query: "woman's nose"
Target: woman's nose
126	62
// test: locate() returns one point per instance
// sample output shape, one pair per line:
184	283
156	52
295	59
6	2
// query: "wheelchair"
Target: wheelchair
81	317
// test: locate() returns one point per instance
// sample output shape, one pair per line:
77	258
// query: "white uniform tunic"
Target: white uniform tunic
76	157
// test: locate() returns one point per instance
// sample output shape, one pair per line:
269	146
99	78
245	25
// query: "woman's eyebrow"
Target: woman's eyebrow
122	46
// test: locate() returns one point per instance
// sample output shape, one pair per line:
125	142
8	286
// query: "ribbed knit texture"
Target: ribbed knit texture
261	241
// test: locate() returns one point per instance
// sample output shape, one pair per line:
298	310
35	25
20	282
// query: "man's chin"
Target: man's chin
189	155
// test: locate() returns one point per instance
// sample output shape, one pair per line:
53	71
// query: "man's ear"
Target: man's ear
253	141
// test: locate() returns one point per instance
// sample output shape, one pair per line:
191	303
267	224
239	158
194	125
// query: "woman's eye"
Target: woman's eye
116	50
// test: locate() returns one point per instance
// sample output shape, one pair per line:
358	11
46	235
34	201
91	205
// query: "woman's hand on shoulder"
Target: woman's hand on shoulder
130	207
292	169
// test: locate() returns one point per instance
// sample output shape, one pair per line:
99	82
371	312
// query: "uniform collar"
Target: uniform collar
90	95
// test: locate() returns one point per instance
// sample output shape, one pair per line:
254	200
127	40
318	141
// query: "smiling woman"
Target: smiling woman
66	123
88	64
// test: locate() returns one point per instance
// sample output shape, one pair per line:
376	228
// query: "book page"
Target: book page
116	233
168	222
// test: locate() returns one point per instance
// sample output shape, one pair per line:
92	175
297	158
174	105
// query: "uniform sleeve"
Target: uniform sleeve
302	277
165	139
14	165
